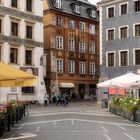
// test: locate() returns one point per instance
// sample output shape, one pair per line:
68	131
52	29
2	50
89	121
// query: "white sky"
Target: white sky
94	1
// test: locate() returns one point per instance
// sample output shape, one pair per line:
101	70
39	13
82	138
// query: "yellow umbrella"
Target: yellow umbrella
12	77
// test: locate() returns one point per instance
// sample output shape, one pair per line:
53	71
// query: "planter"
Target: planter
1	127
126	115
137	115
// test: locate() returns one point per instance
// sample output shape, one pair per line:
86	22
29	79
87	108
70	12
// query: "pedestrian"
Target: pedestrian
46	99
59	100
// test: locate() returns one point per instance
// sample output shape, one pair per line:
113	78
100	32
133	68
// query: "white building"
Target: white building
21	45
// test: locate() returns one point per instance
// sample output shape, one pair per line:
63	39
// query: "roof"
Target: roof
67	7
104	1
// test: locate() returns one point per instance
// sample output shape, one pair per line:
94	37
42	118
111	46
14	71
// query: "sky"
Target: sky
93	1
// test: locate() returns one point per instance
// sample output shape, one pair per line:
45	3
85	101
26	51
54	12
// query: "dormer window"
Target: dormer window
77	9
93	14
58	4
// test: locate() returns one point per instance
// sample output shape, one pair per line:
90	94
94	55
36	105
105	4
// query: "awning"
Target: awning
66	85
12	77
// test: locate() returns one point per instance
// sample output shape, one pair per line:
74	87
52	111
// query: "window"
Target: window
77	9
92	69
137	30
14	3
123	32
82	67
123	9
0	26
137	5
28	57
58	4
82	27
93	14
111	59
29	31
14	55
123	58
29	5
110	34
137	57
14	29
111	12
59	42
71	45
92	47
71	66
92	29
59	21
71	24
28	90
81	46
59	65
0	53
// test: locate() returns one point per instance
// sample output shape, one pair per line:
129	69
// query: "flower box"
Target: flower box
128	108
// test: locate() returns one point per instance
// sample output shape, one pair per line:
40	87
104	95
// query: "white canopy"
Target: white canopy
129	80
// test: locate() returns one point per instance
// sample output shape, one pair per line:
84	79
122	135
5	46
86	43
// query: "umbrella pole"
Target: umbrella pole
0	95
130	92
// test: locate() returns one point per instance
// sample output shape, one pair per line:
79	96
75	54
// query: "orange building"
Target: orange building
71	35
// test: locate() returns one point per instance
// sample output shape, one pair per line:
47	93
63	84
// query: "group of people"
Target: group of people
61	99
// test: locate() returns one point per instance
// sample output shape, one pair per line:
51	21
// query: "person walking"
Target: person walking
46	99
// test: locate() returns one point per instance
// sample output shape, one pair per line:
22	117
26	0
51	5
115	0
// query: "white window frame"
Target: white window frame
93	14
59	65
92	68
71	66
71	24
92	48
120	8
134	33
134	56
2	24
32	50
71	44
82	67
59	4
17	5
107	58
13	47
92	28
107	34
120	31
134	7
59	40
82	26
59	21
112	6
120	57
77	9
82	47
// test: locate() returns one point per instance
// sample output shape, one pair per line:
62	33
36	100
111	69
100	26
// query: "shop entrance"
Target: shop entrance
81	91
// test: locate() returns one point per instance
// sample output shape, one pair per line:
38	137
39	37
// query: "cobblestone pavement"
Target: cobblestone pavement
78	121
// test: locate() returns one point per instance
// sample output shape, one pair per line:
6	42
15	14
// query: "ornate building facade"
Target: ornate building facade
21	44
71	36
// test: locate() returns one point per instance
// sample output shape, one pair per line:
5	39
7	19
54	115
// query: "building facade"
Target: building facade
21	45
71	36
119	38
